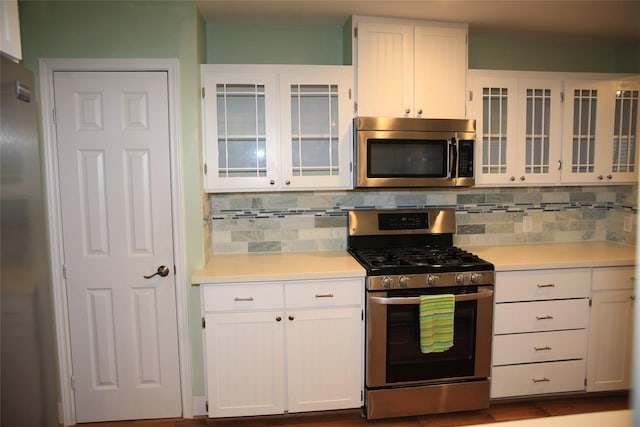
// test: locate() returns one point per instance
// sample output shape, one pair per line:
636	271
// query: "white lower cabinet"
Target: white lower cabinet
540	332
611	334
283	347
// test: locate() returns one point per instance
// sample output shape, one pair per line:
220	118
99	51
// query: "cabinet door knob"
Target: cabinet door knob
522	178
291	317
420	111
609	176
513	178
278	318
407	110
287	182
600	177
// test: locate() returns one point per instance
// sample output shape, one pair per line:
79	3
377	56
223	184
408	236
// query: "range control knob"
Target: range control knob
403	281
476	278
386	282
459	279
432	280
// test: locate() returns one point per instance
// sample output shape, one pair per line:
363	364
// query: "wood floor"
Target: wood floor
502	411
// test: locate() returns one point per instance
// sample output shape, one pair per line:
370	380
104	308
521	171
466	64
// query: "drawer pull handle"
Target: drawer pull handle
545	348
547	317
243	299
324	295
548	285
540	380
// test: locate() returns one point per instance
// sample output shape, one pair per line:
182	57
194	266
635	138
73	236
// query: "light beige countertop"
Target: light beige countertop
269	267
556	255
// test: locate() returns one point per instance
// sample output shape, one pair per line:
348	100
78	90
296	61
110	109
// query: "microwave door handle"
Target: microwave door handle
416	300
453	158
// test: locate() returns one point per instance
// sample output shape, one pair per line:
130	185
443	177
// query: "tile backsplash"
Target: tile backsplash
310	221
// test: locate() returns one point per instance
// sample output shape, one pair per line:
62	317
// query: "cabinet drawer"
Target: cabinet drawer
540	316
325	293
542	284
613	278
537	378
242	297
539	347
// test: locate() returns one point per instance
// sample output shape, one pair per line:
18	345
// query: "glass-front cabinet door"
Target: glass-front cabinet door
539	131
625	132
495	110
316	128
601	131
276	127
240	117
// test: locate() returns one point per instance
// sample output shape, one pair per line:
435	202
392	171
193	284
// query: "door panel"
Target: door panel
113	152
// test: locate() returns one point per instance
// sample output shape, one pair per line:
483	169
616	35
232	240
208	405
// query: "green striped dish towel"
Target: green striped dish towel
436	322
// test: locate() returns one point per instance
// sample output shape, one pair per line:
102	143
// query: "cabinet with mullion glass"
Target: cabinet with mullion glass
277	127
540	131
517	129
601	130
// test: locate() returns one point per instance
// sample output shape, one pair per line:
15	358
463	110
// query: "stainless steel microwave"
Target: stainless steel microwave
407	152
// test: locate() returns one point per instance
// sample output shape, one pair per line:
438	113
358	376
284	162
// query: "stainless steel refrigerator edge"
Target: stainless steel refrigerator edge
29	391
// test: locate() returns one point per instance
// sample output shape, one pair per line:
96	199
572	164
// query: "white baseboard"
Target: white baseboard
199	405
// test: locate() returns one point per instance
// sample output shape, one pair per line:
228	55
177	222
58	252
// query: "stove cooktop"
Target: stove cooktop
418	260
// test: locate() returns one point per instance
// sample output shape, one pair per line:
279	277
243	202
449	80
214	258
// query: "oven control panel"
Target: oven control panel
430	280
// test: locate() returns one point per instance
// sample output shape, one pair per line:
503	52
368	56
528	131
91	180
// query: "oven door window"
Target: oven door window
405	361
406	158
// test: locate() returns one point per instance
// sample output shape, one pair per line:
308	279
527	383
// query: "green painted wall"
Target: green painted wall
295	44
273	44
552	55
121	29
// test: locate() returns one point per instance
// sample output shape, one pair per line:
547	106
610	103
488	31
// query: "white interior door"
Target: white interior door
114	175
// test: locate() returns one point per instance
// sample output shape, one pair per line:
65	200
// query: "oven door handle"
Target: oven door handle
416	300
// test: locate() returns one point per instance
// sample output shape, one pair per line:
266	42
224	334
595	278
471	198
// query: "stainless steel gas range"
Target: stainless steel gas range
407	254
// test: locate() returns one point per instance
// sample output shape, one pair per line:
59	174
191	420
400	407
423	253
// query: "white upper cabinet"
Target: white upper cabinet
601	131
518	129
276	128
410	68
10	29
553	128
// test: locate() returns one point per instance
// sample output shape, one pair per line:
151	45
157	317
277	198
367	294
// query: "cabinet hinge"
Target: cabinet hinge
470	95
590	302
361	395
64	272
350	167
204	323
561	96
206	406
585	382
350	93
73	382
54	116
204	168
362	315
203	93
559	165
355	107
355	32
